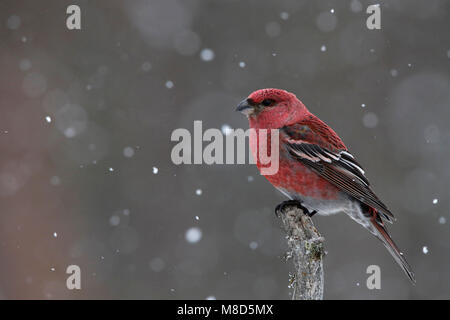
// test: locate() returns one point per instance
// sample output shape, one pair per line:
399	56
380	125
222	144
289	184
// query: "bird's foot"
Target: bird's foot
282	206
297	203
310	214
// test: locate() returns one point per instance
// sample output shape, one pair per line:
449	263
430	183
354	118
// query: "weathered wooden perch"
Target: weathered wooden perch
306	249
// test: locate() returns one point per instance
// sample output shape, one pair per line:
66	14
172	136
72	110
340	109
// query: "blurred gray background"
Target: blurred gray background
86	117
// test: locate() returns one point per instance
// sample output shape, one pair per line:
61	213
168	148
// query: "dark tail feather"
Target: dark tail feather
381	233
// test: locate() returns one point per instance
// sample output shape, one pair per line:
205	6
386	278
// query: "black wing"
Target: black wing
341	169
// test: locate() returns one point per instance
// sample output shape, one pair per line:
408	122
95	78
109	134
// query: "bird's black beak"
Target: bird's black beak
245	107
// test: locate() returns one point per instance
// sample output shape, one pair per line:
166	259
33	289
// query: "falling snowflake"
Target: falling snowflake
193	235
55	181
146	66
207	54
284	15
226	129
425	249
323	48
155	170
242	64
114	220
442	220
70	132
157	264
370	120
169	84
128	152
356	6
435	201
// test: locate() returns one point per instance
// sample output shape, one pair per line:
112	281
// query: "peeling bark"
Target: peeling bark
306	249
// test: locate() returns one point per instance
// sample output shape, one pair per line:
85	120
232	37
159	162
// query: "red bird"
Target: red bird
316	170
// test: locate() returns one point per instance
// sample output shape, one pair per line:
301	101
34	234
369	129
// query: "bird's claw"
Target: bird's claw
310	214
282	206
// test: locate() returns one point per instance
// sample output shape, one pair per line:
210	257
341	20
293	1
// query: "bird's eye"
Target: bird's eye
267	102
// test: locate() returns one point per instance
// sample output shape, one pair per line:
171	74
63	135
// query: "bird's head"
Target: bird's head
272	108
